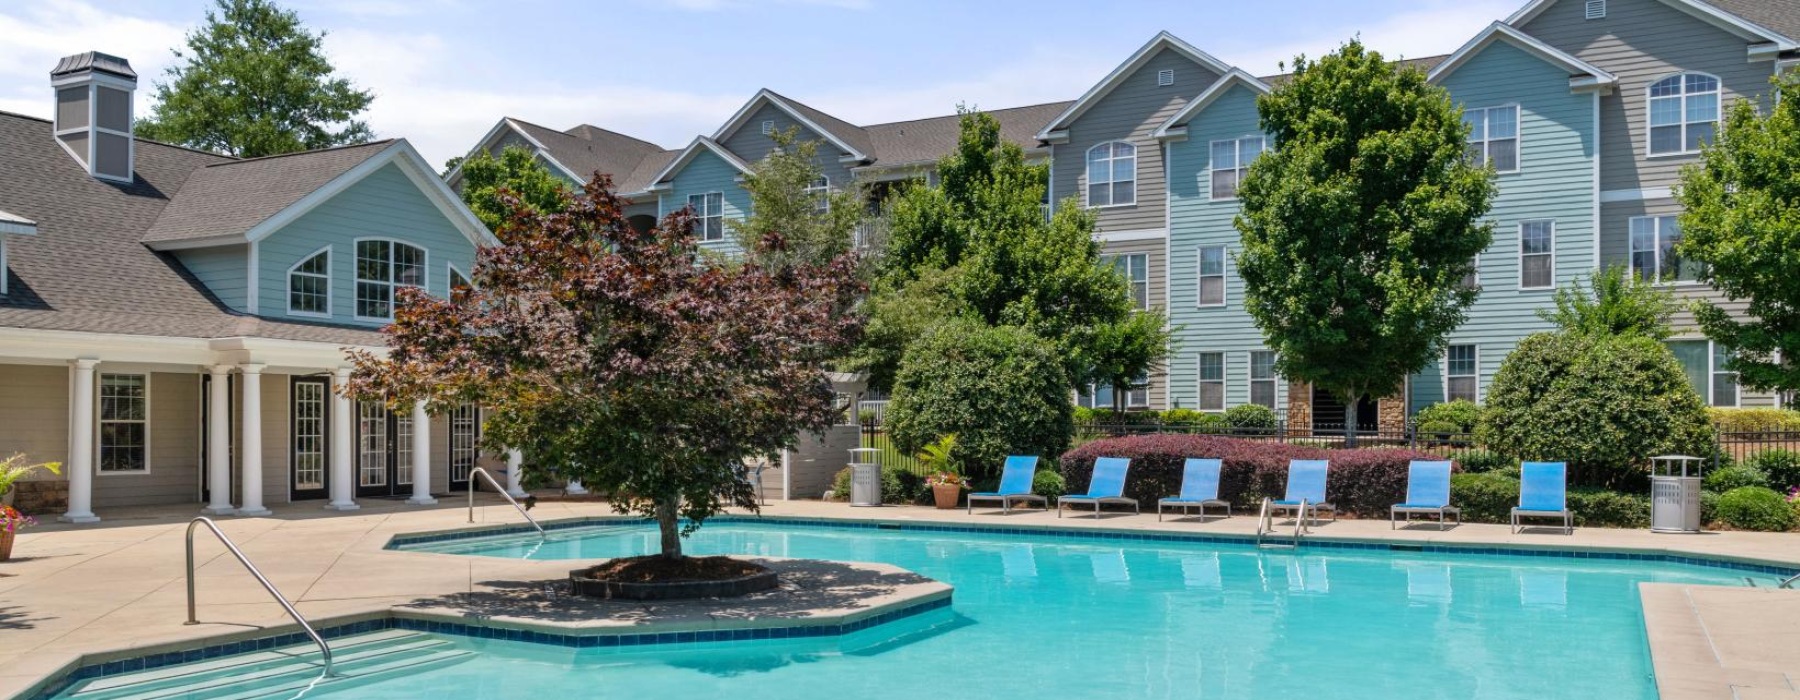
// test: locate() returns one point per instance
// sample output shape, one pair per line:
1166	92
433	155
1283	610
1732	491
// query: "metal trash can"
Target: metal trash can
1675	493
865	478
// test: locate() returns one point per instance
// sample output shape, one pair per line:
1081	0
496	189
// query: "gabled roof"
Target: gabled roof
922	141
1162	40
687	155
1176	124
1745	18
17	225
846	136
1425	64
1583	75
580	152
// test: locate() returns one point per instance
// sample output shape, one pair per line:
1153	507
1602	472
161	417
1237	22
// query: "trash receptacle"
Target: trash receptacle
865	478
1675	493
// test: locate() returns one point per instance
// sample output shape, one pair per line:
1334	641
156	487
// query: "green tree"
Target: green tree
818	225
487	182
1741	221
1360	225
252	83
1613	302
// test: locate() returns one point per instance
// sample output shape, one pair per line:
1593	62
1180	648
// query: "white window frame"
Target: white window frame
1165	77
704	212
323	435
820	192
100	424
293	270
1112	160
1551	225
1473	280
1200	276
1713	370
1655	250
1131	261
461	446
1718	93
1238	164
1200	382
1487	141
1134	397
393	285
1475	364
1273	380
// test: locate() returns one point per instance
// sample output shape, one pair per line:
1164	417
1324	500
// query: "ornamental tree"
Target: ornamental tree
1360	225
487	181
1741	221
627	358
818	225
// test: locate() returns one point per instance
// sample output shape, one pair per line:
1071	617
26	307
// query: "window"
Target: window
1684	112
1596	9
768	127
1262	378
403	454
465	430
309	434
372	444
1537	255
1112	174
1101	395
382	266
1212	381
709	215
820	192
124	422
1473	279
1231	162
1212	276
1705	363
1493	137
1459	373
1653	256
1724	381
1165	77
459	284
1135	268
309	285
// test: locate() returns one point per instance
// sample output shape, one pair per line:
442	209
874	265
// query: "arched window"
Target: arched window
309	285
381	266
1112	174
1684	113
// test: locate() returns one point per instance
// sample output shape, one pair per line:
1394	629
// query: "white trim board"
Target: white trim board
1596	79
1175	127
1712	15
692	150
1162	40
1609	196
1149	234
765	96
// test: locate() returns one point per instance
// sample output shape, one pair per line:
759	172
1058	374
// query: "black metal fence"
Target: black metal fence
874	435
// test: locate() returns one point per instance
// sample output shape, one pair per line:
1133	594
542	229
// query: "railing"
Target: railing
324	649
1263	522
887	456
1789	581
503	494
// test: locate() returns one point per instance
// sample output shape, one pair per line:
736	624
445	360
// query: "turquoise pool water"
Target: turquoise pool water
1035	616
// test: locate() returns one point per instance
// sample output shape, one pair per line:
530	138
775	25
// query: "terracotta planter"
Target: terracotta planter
946	495
6	540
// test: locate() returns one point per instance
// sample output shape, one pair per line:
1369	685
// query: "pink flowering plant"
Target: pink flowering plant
11	520
940	468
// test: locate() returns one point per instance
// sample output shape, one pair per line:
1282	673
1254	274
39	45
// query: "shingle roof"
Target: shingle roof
926	140
86	269
1780	15
843	130
587	149
229	198
644	175
1425	64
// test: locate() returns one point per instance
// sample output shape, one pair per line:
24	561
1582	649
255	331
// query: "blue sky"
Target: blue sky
665	70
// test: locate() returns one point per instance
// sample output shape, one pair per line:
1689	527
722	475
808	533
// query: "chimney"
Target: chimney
93	112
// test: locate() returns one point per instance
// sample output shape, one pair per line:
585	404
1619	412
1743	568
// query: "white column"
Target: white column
515	464
574	488
421	456
81	444
218	442
250	445
343	451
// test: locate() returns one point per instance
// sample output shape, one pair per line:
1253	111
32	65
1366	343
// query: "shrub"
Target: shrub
1602	508
1728	478
1604	404
1083	414
1781	466
1709	507
1212	423
893	488
1049	484
1478	461
1000	391
1754	420
1756	508
1484	498
1461	413
912	488
1179	416
1437	428
1252	419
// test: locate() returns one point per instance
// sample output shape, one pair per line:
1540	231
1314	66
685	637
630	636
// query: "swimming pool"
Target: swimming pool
1037	614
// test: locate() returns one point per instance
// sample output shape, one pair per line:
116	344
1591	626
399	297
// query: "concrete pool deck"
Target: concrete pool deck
117	585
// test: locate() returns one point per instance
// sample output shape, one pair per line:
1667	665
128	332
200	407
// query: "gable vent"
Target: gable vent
1596	9
1165	77
768	128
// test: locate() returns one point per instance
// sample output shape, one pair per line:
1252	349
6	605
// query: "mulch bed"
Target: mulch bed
656	569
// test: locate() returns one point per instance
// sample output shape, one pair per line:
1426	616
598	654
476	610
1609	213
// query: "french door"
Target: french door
307	460
465	432
383	450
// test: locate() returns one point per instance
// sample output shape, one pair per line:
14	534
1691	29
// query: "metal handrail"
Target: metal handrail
1789	581
1262	522
503	494
1300	523
324	649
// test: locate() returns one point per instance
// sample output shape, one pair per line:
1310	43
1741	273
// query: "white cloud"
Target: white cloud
1434	30
37	34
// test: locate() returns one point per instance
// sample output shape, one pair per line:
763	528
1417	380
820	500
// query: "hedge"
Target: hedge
1490	497
1753	420
1756	508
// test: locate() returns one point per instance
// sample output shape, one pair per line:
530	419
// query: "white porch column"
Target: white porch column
81	443
218	442
251	443
421	456
574	488
343	451
515	462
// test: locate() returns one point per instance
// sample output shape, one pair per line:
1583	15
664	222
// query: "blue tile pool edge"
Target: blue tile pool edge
400	542
80	671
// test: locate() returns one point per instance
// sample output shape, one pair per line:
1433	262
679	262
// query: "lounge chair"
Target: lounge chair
1543	493
1427	491
1015	484
1199	488
1107	486
1305	490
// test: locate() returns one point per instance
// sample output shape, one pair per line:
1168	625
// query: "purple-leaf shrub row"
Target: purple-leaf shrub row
1361	481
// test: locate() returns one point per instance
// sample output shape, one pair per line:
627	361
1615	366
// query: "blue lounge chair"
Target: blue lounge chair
1427	491
1544	493
1015	484
1107	486
1199	487
1305	490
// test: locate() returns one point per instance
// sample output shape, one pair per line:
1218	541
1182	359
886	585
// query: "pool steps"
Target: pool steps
280	673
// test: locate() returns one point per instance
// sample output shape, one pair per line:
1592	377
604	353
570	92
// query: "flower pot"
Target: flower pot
6	541
946	495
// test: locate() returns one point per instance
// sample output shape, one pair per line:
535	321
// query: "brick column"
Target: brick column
1299	411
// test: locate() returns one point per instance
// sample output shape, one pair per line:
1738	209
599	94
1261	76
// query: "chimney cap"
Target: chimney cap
94	61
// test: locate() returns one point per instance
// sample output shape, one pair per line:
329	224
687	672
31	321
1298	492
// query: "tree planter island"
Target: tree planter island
657	578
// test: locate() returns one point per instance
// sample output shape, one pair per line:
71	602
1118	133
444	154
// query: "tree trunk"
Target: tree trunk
1350	420
667	520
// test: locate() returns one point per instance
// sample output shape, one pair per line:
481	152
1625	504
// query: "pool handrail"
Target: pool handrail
324	649
1789	581
503	494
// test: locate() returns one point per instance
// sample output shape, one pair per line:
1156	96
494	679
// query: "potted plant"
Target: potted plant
941	472
11	521
14	468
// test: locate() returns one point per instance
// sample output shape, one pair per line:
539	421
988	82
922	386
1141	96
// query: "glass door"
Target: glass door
306	456
375	456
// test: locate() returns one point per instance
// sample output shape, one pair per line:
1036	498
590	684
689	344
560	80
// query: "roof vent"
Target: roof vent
1596	9
768	128
1165	76
93	112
